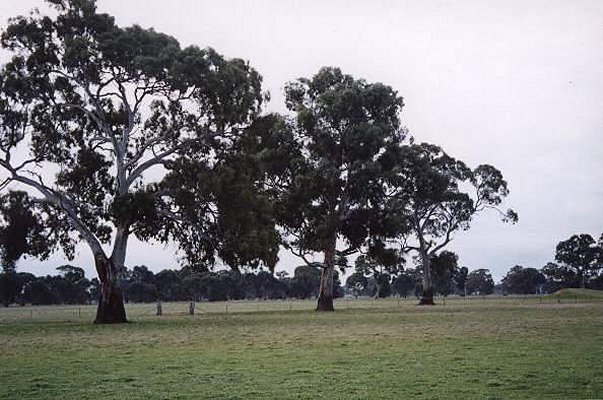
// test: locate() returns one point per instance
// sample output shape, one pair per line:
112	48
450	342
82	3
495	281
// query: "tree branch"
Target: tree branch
60	201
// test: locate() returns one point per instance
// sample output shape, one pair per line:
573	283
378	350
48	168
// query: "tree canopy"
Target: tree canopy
522	280
334	191
436	195
581	255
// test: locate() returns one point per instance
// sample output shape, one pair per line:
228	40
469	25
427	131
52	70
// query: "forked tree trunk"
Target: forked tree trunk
427	282
111	308
325	294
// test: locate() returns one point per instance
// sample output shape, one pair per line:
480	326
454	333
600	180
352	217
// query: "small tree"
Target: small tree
480	282
444	266
357	284
460	280
522	280
581	255
428	192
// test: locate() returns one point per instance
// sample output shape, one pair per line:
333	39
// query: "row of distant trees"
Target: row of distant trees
141	285
579	261
371	279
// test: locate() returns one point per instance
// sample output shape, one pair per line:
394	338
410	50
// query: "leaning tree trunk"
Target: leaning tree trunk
111	308
325	294
427	282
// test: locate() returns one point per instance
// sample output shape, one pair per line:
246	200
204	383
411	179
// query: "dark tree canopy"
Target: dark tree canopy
520	280
480	282
21	230
334	191
581	255
444	267
381	269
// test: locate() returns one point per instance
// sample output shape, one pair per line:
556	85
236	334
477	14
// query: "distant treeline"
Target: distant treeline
141	285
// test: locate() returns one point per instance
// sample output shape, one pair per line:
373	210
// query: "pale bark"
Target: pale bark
427	282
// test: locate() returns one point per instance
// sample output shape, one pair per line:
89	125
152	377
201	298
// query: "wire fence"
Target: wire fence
137	311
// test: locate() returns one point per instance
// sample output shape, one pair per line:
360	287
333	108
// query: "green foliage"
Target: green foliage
431	194
522	280
434	195
581	255
480	282
407	282
109	103
381	271
28	228
444	268
334	187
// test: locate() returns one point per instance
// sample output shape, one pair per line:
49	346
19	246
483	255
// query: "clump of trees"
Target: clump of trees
579	264
70	286
117	132
372	279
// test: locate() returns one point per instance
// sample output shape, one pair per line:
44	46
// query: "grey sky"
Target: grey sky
517	84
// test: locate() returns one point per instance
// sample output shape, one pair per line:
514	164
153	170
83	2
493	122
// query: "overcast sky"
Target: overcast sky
516	84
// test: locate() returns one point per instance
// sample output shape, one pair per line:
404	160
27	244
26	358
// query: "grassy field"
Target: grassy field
494	348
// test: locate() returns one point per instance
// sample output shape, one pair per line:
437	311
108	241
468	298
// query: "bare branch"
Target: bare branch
347	252
60	201
160	158
299	254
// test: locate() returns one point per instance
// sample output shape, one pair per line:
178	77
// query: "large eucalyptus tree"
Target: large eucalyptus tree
435	195
120	132
333	201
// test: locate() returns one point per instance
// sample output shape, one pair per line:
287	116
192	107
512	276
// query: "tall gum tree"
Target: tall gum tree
108	126
434	196
334	193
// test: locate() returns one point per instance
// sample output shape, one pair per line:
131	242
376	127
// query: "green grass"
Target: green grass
498	348
579	294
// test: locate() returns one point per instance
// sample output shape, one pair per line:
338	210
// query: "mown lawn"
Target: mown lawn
480	348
